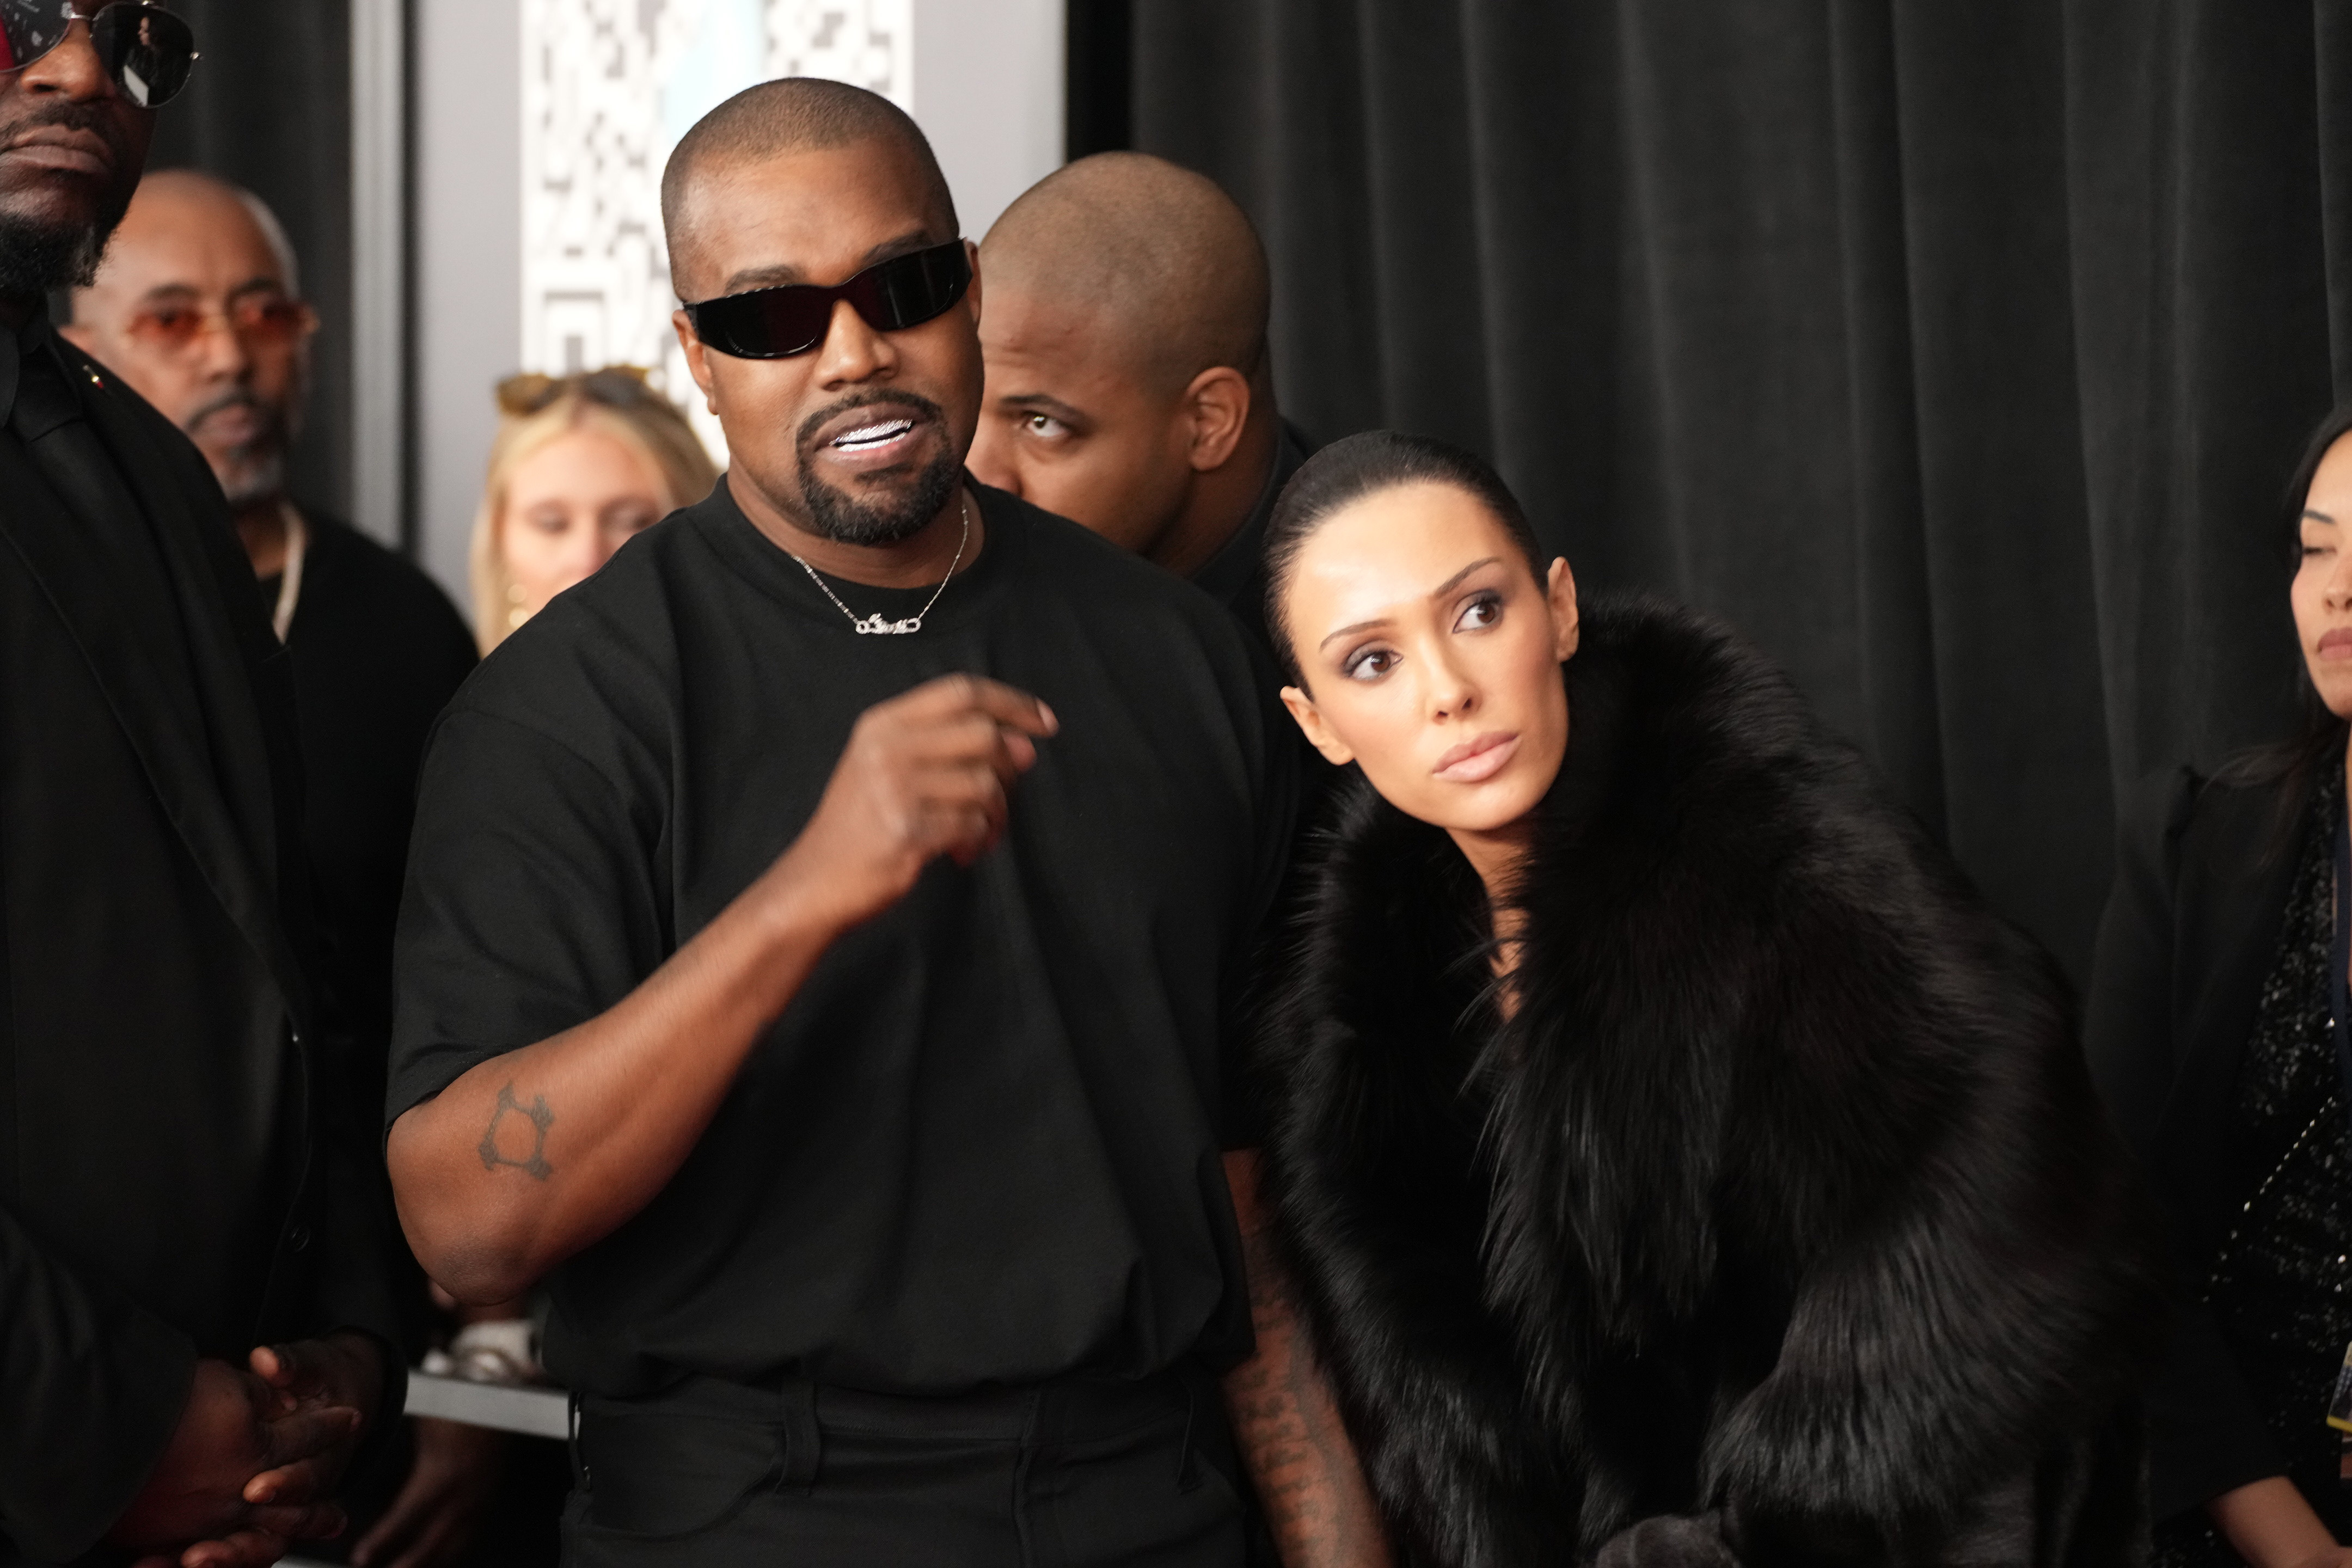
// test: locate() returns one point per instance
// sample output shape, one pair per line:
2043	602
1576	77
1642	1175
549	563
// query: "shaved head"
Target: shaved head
1129	384
777	120
1163	263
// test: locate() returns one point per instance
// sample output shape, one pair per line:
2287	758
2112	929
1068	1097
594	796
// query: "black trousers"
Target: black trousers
1075	1473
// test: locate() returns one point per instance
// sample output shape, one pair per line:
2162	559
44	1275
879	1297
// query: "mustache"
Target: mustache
238	397
71	116
806	439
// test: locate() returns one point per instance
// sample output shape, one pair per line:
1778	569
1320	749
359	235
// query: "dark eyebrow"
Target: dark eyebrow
1455	581
2318	516
1437	592
784	275
1358	626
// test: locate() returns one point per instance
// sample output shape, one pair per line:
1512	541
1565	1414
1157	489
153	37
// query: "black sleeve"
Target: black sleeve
534	901
2206	1434
91	1388
1243	1096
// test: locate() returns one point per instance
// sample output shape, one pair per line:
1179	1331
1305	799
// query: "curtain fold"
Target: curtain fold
269	107
1957	353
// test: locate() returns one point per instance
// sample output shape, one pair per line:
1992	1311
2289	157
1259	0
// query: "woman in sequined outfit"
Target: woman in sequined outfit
2212	1030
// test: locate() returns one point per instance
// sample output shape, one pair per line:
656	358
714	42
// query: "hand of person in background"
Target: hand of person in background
234	1430
441	1506
342	1371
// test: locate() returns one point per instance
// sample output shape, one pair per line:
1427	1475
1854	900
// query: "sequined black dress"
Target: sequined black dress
2281	1285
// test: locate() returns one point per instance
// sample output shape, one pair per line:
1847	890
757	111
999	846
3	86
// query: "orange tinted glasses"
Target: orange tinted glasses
266	321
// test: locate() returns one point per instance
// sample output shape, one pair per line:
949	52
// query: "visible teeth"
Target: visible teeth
873	435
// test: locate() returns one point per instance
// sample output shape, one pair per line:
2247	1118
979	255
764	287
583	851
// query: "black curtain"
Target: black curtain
269	107
1958	353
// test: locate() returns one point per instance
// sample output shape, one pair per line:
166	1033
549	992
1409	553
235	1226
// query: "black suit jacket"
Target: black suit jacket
92	1377
2192	928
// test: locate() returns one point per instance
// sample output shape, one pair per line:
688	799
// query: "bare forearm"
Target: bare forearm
1286	1423
2270	1525
535	1154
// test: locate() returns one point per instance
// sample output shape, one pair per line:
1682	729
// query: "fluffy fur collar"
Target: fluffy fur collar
1785	1196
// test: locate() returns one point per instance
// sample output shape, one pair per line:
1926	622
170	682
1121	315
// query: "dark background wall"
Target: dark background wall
1959	354
269	107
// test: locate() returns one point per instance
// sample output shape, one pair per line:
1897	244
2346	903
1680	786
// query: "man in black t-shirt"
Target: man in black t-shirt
819	936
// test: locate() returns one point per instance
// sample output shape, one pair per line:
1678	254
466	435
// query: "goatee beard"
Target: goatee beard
837	515
840	517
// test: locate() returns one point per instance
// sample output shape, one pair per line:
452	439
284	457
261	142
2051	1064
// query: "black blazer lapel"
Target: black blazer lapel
235	849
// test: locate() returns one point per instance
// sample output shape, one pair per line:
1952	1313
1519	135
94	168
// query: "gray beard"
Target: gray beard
36	259
254	478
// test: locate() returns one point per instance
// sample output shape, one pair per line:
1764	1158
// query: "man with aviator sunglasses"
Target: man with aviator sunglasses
819	941
174	1182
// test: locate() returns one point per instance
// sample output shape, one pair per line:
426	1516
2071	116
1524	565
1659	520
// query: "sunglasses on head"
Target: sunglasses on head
613	385
777	323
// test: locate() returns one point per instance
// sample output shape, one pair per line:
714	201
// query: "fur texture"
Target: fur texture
1782	1215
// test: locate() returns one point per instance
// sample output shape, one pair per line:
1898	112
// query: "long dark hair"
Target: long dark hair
1357	466
2318	746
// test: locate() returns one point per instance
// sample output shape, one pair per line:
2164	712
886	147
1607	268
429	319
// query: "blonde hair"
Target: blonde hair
538	410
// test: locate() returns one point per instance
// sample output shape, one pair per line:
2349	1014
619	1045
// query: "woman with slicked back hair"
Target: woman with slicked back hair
1678	1161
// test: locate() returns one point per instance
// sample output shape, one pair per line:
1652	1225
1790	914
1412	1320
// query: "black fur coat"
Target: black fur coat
1779	1224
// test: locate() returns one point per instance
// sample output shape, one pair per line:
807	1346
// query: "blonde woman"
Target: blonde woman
581	463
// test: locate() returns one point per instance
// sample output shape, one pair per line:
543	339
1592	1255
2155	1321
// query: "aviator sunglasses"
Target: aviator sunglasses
146	49
777	323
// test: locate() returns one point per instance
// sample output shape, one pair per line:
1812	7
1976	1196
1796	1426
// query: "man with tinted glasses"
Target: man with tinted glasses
197	305
171	1186
819	931
1129	387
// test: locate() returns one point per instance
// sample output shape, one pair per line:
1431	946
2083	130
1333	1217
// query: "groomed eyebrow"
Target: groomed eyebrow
1437	592
783	275
2315	515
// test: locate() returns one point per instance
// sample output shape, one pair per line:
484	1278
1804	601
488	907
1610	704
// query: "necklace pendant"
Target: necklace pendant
874	625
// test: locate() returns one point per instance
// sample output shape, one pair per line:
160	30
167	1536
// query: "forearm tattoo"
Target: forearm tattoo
1290	1435
496	1153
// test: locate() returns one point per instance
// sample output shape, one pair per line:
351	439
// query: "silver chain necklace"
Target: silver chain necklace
874	625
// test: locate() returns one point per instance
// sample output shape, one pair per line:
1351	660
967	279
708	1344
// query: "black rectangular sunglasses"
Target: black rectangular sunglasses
777	323
146	49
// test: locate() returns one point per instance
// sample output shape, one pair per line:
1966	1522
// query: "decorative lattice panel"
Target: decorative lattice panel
608	87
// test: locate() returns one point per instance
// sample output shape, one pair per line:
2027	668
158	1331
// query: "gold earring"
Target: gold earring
517	611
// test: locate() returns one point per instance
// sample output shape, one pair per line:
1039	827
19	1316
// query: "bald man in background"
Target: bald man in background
197	306
1128	386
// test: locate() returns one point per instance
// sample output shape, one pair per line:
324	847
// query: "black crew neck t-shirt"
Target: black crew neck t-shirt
982	1146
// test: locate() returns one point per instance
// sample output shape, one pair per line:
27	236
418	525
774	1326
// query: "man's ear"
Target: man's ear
970	300
1217	404
698	358
1309	719
1560	587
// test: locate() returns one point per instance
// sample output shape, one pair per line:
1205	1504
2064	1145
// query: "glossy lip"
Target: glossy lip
1477	761
2336	644
63	149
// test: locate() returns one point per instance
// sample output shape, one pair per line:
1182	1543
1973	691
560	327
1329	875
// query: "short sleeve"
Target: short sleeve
531	902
